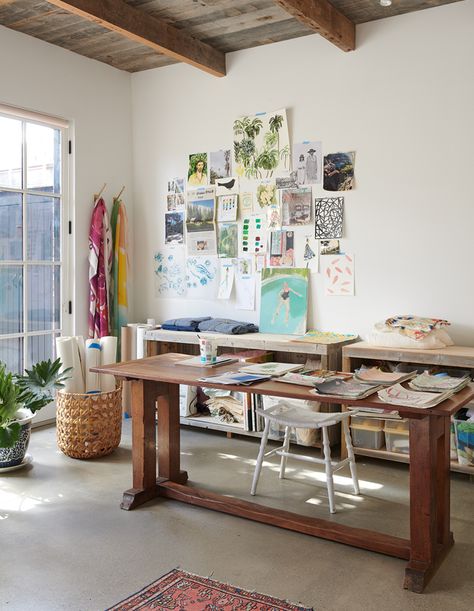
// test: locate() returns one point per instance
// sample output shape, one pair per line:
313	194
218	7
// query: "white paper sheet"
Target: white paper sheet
245	284
226	278
170	273
339	274
202	277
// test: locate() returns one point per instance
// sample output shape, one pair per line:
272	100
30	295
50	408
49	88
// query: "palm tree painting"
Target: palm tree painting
261	147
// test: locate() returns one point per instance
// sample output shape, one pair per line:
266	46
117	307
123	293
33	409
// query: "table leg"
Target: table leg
169	435
430	538
144	395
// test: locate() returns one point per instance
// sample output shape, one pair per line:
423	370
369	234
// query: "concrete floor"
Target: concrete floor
65	544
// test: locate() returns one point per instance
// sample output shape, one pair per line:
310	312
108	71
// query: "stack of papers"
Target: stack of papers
398	395
346	389
314	336
313	377
274	370
235	379
374	412
374	375
439	382
195	361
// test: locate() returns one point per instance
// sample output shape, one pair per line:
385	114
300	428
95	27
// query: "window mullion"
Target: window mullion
25	236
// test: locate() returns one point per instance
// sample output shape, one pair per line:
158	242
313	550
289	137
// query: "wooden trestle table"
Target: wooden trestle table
155	387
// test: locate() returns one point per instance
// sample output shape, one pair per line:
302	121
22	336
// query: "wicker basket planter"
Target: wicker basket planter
88	426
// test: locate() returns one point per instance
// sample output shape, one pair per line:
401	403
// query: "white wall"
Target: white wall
96	98
402	101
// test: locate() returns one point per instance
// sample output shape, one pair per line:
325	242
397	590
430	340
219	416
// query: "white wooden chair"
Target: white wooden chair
292	416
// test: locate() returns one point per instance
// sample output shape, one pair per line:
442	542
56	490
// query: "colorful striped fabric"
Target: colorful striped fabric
119	288
100	265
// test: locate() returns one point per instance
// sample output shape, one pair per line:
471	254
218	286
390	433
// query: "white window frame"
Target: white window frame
66	258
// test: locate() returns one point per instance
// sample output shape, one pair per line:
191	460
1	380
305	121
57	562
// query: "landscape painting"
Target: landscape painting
200	210
174	228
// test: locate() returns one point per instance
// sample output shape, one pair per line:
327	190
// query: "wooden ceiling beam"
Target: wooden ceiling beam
141	27
321	16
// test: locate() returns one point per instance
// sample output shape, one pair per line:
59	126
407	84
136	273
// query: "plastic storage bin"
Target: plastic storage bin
465	441
397	436
366	433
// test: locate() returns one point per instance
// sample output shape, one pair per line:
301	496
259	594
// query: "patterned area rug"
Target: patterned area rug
182	591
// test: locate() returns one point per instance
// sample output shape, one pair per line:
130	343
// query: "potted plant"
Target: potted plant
21	396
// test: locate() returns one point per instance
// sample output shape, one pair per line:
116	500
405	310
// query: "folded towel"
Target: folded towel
224	325
166	327
183	324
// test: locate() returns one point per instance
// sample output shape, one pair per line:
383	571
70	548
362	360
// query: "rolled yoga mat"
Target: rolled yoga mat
92	360
108	355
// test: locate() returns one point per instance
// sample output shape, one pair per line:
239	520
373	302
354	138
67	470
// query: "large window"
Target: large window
33	224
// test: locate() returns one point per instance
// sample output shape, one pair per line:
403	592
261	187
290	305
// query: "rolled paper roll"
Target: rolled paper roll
92	360
126	355
126	344
81	346
64	351
78	377
141	330
108	355
133	326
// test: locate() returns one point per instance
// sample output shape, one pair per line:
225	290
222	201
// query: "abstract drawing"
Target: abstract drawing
339	274
328	217
201	277
170	273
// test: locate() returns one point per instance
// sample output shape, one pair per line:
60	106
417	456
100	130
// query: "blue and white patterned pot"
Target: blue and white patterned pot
10	457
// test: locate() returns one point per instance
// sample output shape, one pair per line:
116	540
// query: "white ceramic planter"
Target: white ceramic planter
12	457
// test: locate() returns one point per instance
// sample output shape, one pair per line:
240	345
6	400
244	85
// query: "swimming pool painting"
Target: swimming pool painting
284	300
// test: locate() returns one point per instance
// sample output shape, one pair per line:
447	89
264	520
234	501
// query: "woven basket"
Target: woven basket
88	426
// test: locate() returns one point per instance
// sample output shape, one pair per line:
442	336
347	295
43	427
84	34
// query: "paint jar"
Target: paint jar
208	350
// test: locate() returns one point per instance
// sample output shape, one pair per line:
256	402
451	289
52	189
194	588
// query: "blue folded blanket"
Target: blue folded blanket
225	325
183	324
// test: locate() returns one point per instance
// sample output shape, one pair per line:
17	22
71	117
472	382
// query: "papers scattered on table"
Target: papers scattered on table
398	395
312	377
235	379
313	336
374	375
375	412
439	382
272	369
346	389
195	361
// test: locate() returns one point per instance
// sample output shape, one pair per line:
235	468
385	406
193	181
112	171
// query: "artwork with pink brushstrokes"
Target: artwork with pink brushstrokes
339	275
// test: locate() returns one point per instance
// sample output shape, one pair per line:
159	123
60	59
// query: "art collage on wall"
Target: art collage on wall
255	215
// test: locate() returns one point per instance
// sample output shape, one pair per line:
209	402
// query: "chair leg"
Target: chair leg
285	448
327	463
350	455
261	454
